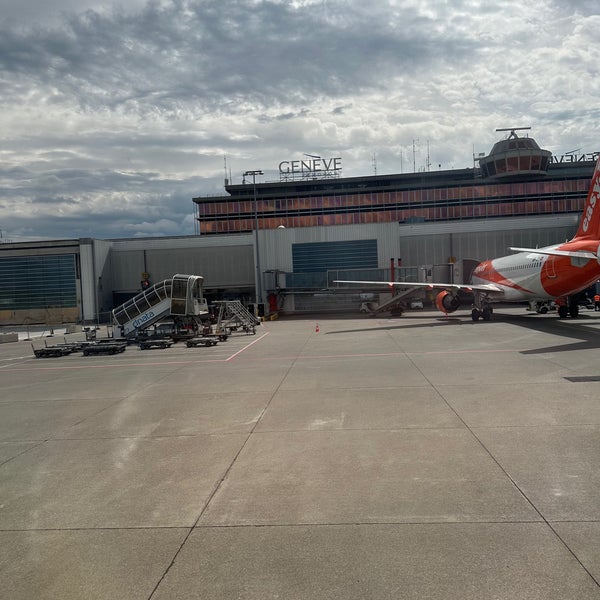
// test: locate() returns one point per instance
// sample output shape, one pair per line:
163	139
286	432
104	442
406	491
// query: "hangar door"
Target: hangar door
323	256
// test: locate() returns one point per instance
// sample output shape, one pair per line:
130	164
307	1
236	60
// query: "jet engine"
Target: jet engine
446	302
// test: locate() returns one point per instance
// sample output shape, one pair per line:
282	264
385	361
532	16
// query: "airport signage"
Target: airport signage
571	158
310	167
143	318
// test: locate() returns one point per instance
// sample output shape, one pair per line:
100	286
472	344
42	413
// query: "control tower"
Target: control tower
515	156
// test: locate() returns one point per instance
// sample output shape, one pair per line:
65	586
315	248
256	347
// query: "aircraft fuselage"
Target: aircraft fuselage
529	275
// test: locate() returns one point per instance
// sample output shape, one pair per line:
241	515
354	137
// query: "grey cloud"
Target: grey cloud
234	50
112	119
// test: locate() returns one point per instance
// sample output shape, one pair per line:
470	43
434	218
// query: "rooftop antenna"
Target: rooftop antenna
512	130
225	166
415	155
374	163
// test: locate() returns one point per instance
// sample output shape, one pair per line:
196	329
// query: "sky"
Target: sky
113	116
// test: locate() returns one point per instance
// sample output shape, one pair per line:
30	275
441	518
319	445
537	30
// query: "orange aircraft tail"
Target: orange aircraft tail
589	227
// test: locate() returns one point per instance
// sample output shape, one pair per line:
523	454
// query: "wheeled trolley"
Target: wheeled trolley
155	343
105	348
201	341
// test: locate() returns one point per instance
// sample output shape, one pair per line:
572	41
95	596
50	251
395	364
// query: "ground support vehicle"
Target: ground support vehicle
233	316
51	351
57	349
155	343
201	341
178	298
209	331
105	347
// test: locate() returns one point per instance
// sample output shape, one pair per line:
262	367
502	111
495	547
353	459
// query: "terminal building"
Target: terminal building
279	245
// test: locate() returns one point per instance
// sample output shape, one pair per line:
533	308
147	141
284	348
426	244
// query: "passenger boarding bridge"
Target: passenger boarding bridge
179	298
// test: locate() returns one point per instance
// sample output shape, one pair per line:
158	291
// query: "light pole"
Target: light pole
258	274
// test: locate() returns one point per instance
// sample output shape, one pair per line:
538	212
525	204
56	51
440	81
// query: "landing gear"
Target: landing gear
485	313
573	308
569	308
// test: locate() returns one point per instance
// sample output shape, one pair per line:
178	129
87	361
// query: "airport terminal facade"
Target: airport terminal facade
282	243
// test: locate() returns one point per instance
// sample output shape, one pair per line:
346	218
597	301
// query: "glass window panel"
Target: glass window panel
30	282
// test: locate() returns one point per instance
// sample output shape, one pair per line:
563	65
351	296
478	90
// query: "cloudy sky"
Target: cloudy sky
114	115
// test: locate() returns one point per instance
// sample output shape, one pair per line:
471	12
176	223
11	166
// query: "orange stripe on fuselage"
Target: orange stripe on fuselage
487	272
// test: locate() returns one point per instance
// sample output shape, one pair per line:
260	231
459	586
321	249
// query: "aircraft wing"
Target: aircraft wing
572	253
485	287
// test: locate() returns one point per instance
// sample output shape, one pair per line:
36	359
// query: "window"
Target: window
29	282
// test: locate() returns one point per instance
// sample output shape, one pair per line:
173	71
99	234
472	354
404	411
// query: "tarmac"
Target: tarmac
322	458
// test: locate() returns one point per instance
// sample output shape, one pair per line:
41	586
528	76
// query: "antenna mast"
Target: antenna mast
512	130
415	155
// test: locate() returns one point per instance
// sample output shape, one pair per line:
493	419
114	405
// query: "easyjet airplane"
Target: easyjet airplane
533	275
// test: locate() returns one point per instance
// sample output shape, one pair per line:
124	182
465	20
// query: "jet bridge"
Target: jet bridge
179	298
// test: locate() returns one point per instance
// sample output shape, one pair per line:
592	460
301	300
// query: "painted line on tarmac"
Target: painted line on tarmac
13	359
381	354
376	354
112	365
247	346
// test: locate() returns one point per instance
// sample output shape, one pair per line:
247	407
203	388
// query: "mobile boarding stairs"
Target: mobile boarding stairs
179	298
233	316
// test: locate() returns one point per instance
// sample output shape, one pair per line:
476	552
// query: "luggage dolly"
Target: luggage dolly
155	343
50	351
201	341
105	348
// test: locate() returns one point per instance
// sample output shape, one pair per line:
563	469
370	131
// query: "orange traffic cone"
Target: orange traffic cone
317	328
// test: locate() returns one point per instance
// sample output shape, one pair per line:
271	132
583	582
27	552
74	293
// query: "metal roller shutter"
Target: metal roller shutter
323	256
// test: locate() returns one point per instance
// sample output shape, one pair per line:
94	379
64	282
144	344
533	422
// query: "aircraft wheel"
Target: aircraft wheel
475	314
563	311
574	310
486	313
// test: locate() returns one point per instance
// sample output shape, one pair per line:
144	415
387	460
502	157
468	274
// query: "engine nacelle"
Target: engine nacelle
446	302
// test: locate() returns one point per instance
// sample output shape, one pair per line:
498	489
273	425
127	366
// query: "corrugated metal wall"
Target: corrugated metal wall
427	243
276	244
221	267
423	247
